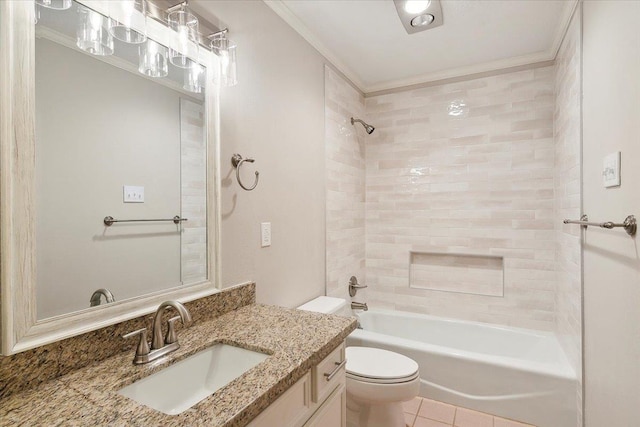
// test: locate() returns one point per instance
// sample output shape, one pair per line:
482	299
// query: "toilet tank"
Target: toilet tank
328	305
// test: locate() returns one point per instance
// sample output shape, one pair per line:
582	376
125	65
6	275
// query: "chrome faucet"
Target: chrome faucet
359	306
96	300
185	317
159	346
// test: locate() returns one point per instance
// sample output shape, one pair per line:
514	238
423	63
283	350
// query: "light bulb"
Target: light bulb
416	6
128	7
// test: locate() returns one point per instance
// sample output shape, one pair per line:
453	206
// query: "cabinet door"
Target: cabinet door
291	409
333	412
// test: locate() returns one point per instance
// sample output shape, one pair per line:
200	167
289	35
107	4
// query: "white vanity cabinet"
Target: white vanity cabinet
318	399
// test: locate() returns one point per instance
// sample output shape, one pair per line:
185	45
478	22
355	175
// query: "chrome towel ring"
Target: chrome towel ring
237	161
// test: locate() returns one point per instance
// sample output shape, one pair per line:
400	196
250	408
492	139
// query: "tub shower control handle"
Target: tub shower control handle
333	373
354	286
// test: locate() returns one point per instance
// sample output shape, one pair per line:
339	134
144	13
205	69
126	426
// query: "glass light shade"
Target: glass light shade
153	59
192	79
124	16
186	25
93	33
55	4
228	68
36	15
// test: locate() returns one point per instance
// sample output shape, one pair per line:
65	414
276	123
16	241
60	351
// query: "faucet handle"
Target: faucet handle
354	286
171	336
143	345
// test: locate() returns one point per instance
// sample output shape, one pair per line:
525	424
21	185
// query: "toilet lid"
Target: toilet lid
368	362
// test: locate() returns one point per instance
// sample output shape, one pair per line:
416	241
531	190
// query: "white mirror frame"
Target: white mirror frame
20	328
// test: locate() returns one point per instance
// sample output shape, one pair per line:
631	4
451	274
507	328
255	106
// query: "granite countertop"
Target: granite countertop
296	341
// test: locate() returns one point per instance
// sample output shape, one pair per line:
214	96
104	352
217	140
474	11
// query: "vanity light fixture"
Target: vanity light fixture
419	15
124	16
55	4
92	34
153	59
127	22
226	50
192	79
185	24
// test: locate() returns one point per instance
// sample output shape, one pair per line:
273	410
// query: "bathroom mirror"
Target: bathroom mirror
109	172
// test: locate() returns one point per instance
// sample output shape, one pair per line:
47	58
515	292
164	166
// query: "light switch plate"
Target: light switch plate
132	194
611	170
265	234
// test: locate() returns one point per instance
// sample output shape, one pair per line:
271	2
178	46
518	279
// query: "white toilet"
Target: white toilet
378	381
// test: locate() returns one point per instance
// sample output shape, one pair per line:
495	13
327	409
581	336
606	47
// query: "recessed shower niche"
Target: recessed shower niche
462	273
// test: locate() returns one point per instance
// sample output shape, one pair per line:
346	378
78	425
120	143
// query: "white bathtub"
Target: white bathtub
514	373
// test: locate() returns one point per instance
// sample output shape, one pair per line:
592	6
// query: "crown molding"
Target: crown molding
280	8
462	77
565	21
493	67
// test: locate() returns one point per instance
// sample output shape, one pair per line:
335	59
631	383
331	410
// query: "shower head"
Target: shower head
367	127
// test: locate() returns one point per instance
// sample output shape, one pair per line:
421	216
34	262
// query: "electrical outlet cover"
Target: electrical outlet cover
132	194
611	170
265	234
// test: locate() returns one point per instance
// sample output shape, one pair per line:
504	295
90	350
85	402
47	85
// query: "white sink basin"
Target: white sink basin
182	385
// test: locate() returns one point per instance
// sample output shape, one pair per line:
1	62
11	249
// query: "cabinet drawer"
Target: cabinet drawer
290	409
333	412
328	374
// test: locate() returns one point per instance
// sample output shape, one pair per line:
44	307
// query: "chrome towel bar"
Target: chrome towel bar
629	224
109	220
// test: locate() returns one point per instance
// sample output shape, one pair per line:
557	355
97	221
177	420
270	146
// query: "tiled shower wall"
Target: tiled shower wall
567	129
193	182
345	176
465	168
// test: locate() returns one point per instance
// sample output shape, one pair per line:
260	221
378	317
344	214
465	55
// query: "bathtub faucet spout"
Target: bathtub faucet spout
359	306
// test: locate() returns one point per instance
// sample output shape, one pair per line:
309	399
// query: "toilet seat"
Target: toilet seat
378	366
382	381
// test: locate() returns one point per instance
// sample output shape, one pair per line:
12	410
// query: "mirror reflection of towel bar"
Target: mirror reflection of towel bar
109	220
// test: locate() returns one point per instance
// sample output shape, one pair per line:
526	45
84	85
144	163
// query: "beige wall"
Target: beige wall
611	105
274	115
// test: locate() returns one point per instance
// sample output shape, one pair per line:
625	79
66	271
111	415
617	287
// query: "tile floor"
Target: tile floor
421	412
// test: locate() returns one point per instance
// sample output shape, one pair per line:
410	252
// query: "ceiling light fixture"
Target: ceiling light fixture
416	6
422	20
419	15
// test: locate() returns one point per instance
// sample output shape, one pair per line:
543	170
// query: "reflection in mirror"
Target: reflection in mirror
119	132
